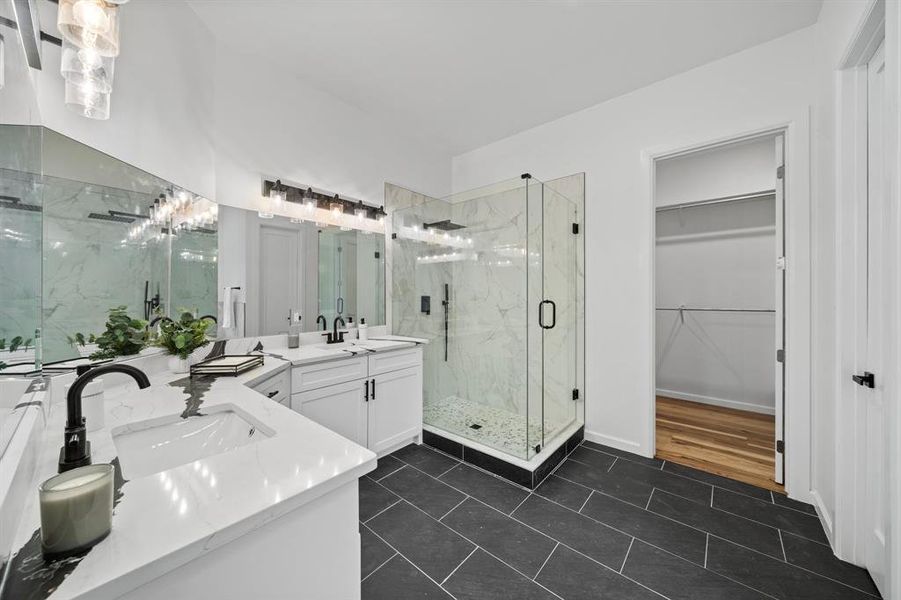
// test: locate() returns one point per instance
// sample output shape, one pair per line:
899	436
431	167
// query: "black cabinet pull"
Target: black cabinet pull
366	394
373	389
866	380
273	394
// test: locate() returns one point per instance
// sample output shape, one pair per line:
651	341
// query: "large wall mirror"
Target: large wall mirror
301	275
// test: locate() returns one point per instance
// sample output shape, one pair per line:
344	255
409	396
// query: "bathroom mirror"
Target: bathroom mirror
289	273
83	233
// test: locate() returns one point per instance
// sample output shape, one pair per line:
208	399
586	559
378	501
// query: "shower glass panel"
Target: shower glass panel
477	275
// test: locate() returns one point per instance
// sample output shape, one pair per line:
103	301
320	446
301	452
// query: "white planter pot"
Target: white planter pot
179	365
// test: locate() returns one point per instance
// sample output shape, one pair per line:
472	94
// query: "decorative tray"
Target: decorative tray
227	364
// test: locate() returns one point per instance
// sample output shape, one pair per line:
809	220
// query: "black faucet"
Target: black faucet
335	336
321	318
157	320
210	317
76	450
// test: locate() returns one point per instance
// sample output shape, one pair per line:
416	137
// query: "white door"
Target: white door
341	408
779	303
395	408
870	394
279	287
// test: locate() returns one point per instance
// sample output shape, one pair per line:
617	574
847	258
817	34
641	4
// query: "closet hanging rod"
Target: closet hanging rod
739	198
731	310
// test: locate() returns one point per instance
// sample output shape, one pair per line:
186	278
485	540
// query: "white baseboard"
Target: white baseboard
736	404
615	442
823	513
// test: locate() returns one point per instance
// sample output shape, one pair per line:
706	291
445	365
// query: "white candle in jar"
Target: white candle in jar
76	509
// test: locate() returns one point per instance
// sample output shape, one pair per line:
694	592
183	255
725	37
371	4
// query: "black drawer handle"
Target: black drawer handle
373	389
272	394
366	394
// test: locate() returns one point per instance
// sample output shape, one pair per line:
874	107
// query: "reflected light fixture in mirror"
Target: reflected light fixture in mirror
87	68
90	24
87	101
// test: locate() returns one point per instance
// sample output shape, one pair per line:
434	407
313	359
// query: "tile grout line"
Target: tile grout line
610	468
584	503
399	553
626	557
380	566
662	465
454	507
402	465
546	560
706	548
712	488
649	499
781	543
448	471
529	495
474	550
383	510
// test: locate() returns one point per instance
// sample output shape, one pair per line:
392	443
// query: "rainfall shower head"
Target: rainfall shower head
117	216
14	203
446	225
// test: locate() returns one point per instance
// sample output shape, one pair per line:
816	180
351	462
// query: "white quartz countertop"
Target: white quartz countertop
164	520
326	352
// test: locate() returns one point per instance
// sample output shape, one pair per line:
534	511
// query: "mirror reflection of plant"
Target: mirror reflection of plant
123	336
182	336
79	339
16	343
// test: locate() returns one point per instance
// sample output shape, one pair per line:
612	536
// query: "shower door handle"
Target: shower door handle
541	314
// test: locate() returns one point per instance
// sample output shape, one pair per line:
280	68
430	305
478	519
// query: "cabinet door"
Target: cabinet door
395	408
341	408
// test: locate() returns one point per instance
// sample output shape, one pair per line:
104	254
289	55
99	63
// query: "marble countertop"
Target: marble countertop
165	520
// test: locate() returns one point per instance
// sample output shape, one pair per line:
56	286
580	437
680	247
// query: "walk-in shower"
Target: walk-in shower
493	279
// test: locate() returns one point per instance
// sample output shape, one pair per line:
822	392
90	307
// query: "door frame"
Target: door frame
797	432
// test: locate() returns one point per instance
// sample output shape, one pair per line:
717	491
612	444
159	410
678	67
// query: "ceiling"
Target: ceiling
464	73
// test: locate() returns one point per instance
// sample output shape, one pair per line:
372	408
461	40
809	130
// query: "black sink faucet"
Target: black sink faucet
335	336
76	450
321	319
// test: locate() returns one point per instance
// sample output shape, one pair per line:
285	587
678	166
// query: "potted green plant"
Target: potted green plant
18	350
122	336
180	337
86	345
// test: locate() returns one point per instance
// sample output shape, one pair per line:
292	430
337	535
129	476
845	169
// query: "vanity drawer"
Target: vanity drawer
278	388
311	377
386	362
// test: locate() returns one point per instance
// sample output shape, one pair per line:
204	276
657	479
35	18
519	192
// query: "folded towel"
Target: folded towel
228	309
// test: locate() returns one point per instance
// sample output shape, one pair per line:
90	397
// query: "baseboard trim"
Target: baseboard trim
615	442
824	515
736	404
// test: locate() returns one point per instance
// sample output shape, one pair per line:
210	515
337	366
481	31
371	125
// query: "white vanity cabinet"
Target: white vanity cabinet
374	400
277	387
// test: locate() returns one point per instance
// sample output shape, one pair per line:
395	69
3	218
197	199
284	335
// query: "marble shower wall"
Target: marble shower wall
195	272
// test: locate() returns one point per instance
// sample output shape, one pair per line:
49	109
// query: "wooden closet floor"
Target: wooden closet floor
732	443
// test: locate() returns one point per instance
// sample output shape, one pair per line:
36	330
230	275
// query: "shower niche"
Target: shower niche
502	267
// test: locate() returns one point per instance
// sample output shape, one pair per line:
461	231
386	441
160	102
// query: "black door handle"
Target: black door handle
866	380
541	314
272	394
373	389
553	313
366	395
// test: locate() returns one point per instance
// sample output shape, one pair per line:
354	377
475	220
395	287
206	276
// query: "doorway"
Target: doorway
719	318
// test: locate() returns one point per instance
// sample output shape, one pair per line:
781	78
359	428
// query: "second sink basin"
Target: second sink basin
151	446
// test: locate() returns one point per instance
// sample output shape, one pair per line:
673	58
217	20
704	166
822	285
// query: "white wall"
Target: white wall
717	256
769	85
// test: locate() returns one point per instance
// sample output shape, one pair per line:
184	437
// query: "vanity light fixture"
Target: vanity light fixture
309	201
90	24
336	206
86	68
278	194
360	211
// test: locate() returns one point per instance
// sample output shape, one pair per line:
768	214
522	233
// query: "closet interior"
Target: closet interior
719	281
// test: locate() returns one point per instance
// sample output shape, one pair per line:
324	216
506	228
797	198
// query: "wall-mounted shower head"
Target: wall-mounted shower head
446	225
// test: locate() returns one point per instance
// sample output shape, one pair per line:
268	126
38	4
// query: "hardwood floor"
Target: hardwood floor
732	443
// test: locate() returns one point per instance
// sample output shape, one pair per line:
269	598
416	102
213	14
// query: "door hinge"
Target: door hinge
780	263
780	355
575	393
780	446
780	171
575	229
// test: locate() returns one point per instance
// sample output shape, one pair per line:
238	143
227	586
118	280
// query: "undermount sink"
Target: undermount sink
154	445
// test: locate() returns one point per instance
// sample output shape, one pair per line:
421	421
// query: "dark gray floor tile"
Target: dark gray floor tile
386	465
592	458
425	459
561	491
681	486
593	539
373	551
422	491
400	579
680	580
820	559
432	547
519	546
653	462
373	498
574	577
771	514
724	482
783	500
487	488
623	488
483	577
646	526
725	525
774	577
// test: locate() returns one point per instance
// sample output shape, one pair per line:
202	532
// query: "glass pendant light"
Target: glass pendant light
278	194
90	24
336	206
83	66
87	101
